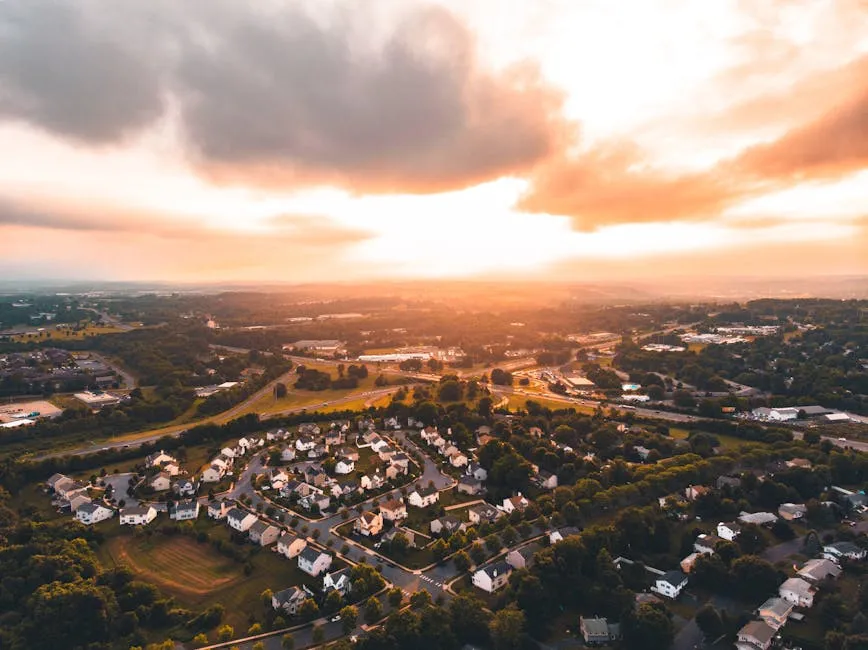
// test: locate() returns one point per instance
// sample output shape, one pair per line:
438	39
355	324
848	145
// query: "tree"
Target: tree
753	578
439	549
493	543
483	407
501	377
751	539
656	393
200	640
462	561
683	398
709	621
287	642
265	598
256	628
349	617
308	609
477	552
259	645
395	595
399	544
333	601
469	619
812	544
509	535
420	599
450	391
225	633
648	627
373	611
318	634
507	629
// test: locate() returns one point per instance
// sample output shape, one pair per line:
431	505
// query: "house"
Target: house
546	480
214	473
642	452
276	434
727	480
522	558
137	515
595	631
445	525
386	453
349	453
470	485
161	482
775	612
428	434
378	444
458	460
798	592
318	451
309	428
316	476
438	441
756	635
228	452
393	510
287	453
687	563
477	471
423	497
289	600
160	458
803	463
758	518
217	509
561	534
815	571
93	513
185	488
295	487
344	466
406	532
369	524
338	581
791	511
55	479
321	501
277	475
394	471
305	443
240	520
76	500
705	544
483	513
263	533
184	510
171	469
313	561
334	437
492	577
401	460
844	550
449	450
670	584
290	545
728	531
693	492
512	504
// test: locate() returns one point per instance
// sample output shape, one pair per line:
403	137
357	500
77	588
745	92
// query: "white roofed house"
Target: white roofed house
313	562
186	488
171	469
728	531
422	497
758	518
240	520
492	577
92	513
546	480
561	534
228	452
289	600
458	459
798	592
476	470
290	545
137	515
263	533
184	510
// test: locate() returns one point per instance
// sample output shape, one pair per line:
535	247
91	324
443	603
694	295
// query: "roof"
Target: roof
186	505
496	569
845	547
135	510
792	508
797	586
394	504
819	569
449	521
595	626
527	552
469	480
259	526
759	631
674	577
288	595
369	516
287	538
310	554
237	513
777	606
426	491
566	531
89	508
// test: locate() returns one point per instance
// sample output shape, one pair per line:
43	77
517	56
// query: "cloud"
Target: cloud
280	95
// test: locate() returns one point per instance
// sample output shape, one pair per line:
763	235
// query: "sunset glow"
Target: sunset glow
307	141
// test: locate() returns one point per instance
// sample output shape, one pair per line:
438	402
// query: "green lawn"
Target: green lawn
413	558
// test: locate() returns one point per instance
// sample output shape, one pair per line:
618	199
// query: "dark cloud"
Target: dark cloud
279	96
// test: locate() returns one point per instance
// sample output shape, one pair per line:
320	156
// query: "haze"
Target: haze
330	141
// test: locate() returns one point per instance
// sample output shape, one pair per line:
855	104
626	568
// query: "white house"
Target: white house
240	520
217	509
171	469
160	458
228	452
393	510
758	518
290	545
185	488
423	497
305	443
546	480
560	534
458	459
137	515
338	581
378	444
344	466
93	513
844	550
263	533
728	531
160	482
798	592
756	635
522	558
215	472
815	571
670	584
477	471
445	525
313	562
287	453
492	577
483	513
289	600
775	612
791	511
184	510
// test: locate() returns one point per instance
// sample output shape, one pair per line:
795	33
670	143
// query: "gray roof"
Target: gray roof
778	606
310	554
845	547
595	626
259	526
89	507
758	630
185	505
428	490
288	595
237	513
135	510
674	578
496	569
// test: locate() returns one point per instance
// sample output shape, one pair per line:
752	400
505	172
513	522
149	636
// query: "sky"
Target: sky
330	140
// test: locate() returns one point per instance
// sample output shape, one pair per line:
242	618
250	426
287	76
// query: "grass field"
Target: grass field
726	442
517	402
51	334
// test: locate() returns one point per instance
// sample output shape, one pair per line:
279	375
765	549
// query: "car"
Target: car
335	619
843	439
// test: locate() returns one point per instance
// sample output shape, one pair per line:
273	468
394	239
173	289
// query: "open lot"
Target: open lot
12	412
